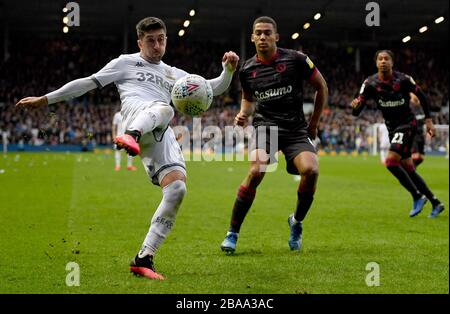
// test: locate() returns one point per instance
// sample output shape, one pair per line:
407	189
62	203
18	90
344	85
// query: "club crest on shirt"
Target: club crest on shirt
280	67
396	86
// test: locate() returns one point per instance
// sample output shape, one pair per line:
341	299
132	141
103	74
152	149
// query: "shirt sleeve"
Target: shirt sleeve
415	89
111	72
179	73
306	66
410	84
363	95
71	90
221	83
365	91
242	79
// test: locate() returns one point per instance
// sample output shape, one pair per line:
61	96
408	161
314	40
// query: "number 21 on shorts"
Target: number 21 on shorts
398	138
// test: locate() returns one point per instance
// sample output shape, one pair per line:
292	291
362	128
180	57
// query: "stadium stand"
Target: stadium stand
85	121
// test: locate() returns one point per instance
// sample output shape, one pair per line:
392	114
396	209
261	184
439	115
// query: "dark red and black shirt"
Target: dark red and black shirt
392	98
277	88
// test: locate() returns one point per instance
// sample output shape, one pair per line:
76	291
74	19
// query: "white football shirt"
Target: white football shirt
138	80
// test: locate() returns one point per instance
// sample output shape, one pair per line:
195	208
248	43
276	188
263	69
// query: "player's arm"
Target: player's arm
359	102
229	64
72	89
425	106
108	74
247	108
320	99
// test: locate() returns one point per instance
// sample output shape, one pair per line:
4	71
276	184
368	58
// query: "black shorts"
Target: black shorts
401	139
291	143
418	145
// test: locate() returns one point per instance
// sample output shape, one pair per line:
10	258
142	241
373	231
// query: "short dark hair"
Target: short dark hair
265	19
389	52
149	24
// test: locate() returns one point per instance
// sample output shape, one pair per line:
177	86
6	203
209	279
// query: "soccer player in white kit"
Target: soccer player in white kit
383	135
144	83
117	130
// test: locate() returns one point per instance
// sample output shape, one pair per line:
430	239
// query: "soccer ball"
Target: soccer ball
192	94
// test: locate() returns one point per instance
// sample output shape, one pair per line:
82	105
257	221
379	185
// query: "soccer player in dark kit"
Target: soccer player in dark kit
272	91
391	92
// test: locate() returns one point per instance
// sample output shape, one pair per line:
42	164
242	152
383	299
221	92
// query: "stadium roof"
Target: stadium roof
341	21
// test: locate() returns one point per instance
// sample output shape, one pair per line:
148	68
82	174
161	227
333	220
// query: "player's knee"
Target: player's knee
392	162
409	167
256	172
310	171
166	114
174	192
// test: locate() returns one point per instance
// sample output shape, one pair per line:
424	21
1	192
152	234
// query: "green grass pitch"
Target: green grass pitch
57	208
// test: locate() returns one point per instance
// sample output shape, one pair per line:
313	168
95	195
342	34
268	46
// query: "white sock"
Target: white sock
130	161
383	154
164	217
117	158
151	118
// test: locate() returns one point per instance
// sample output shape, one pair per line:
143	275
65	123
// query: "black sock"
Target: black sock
135	134
405	180
304	201
423	188
241	207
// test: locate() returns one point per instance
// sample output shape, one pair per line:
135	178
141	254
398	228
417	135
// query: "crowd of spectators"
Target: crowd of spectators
41	66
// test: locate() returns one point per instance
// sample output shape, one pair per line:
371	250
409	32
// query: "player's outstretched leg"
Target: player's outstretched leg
152	116
162	223
129	141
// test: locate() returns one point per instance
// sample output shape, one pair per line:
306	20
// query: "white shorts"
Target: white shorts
160	151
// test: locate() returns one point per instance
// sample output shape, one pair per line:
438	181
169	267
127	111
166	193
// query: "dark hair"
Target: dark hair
265	19
149	24
389	52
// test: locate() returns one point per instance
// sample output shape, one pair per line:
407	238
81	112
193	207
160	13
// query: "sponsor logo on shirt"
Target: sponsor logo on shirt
273	93
391	103
139	64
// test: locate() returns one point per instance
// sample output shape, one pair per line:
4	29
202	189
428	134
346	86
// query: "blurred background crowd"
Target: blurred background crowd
88	119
